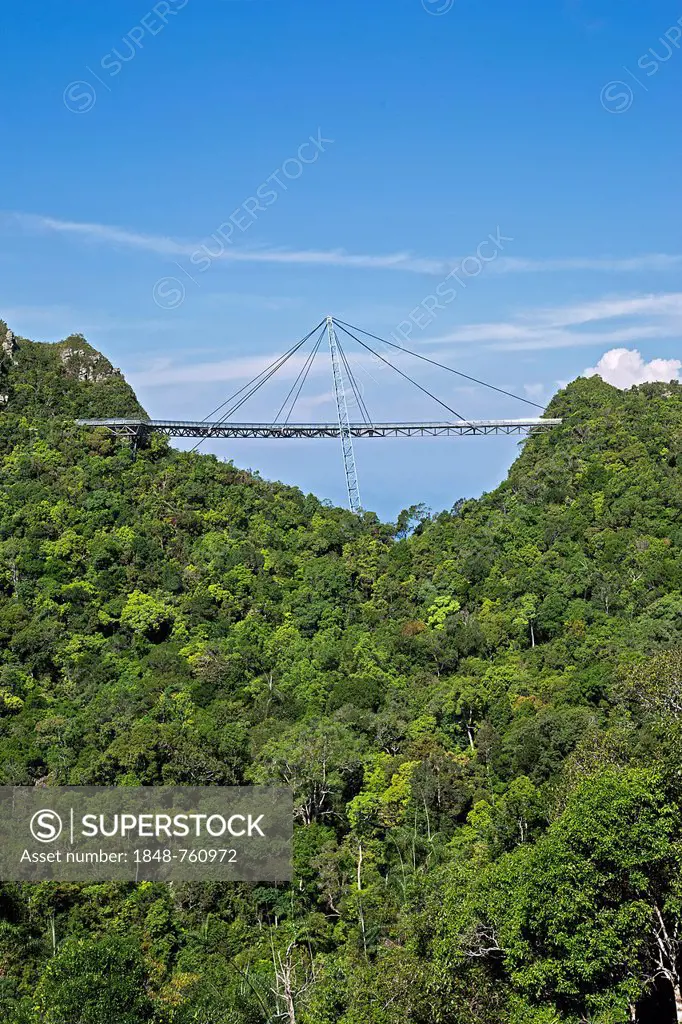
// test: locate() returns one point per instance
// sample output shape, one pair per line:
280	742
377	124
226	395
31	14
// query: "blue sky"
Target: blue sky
543	137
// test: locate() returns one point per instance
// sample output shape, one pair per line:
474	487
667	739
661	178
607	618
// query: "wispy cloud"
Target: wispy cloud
170	247
640	318
659	304
647	261
165	372
162	372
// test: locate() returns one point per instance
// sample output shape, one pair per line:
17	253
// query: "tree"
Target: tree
93	982
145	614
316	759
592	913
657	684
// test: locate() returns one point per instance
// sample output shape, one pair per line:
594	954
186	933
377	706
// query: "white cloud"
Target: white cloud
650	316
167	246
625	367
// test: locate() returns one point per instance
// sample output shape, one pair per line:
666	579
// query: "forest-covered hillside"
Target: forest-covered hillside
480	713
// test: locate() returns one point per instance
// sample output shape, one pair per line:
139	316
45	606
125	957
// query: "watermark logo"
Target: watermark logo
168	293
445	292
618	96
164	833
80	96
438	6
46	826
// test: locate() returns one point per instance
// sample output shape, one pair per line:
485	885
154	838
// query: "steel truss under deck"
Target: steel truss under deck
137	429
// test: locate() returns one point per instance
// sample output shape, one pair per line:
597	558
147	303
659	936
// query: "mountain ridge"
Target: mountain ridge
459	702
59	377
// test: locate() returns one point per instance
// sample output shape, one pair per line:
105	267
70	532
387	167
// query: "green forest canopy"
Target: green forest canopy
495	693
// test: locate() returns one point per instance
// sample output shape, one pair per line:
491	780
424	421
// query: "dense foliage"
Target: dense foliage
479	712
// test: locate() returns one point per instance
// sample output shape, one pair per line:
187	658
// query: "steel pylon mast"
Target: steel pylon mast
344	423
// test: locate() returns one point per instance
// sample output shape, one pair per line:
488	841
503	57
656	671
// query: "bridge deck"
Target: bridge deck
182	428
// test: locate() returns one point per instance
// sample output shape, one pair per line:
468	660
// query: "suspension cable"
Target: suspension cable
300	379
281	360
254	385
442	366
355	386
300	386
406	376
